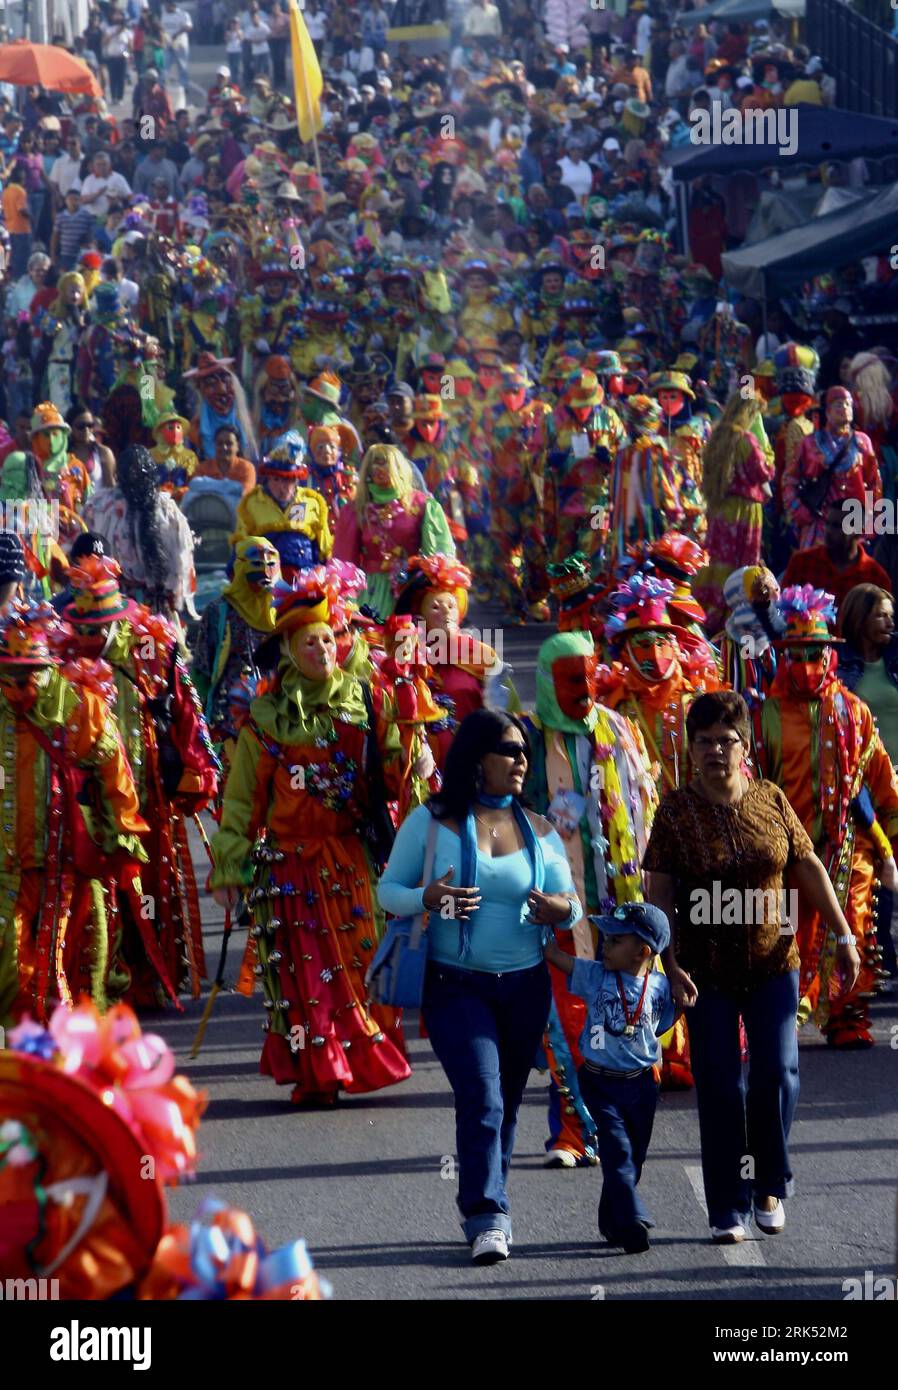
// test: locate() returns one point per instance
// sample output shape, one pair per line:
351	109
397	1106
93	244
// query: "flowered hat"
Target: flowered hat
574	589
288	457
24	639
301	604
97	598
94	1122
428	574
679	558
806	612
640	604
46	416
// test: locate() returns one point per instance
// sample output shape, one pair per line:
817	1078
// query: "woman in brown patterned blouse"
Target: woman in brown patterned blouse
715	864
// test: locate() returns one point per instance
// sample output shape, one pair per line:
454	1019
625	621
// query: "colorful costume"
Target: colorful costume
840	458
297	776
389	521
295	521
590	775
176	463
583	439
516	426
61	749
820	744
231	629
175	770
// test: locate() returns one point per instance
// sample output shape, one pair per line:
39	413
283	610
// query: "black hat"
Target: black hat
13	569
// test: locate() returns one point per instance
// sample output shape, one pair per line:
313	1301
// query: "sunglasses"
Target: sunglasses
510	749
83	424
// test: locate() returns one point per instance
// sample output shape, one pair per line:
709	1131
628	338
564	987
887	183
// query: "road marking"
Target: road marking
749	1252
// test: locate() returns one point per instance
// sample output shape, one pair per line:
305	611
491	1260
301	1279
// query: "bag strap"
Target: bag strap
417	931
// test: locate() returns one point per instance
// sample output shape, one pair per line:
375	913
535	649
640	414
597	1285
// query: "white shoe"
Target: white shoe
490	1247
728	1235
771	1222
560	1158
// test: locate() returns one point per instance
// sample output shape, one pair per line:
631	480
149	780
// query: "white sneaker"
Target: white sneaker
728	1235
771	1222
489	1248
560	1158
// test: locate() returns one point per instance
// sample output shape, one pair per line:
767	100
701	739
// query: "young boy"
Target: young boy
629	1006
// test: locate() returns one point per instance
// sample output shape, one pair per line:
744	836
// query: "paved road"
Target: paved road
371	1189
370	1185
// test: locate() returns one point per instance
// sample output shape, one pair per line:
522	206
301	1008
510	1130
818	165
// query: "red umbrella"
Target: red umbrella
26	64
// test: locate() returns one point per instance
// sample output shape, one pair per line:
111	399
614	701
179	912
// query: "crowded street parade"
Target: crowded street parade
448	665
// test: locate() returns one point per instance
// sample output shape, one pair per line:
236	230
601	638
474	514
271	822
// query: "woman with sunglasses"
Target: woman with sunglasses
83	443
500	880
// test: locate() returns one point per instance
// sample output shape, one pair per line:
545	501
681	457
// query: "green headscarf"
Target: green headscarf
547	707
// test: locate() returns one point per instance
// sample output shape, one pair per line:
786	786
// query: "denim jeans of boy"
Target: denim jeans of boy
624	1112
745	1129
485	1030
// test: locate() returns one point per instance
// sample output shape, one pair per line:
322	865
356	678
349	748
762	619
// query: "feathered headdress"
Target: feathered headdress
639	604
806	612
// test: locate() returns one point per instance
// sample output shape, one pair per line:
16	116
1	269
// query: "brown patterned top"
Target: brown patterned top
727	863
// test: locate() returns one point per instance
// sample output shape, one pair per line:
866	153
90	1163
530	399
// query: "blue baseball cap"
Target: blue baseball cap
642	919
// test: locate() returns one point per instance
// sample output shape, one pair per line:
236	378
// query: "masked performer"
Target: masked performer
222	402
64	477
389	521
647	488
820	744
60	334
331	474
583	438
291	516
176	772
138	397
275	401
738	474
748	656
232	627
147	533
98	350
516	426
463	672
834	462
176	463
61	751
302	773
590	775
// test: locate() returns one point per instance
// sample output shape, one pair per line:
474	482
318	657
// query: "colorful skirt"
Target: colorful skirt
315	935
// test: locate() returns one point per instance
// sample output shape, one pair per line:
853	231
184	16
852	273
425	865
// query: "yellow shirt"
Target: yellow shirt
260	515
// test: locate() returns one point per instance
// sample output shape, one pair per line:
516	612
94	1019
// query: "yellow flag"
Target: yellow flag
307	81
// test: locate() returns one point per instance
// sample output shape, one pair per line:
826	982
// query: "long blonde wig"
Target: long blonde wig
400	473
723	449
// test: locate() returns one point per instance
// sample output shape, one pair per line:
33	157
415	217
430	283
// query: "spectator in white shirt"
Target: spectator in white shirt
643	34
576	174
176	26
257	33
678	81
316	23
483	21
101	184
66	171
116	47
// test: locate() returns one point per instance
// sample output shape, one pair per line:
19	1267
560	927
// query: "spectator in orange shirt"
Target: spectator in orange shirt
17	221
227	463
636	77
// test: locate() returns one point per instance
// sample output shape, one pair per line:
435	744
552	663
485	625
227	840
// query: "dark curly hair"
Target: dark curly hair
140	489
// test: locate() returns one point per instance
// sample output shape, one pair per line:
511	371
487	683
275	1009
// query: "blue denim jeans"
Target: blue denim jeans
485	1030
624	1112
745	1129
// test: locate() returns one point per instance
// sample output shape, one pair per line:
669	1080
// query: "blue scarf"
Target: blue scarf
210	421
469	857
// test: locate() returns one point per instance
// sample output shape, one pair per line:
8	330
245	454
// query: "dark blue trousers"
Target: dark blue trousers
745	1128
624	1112
485	1030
